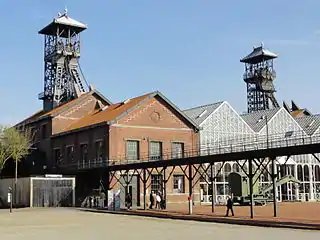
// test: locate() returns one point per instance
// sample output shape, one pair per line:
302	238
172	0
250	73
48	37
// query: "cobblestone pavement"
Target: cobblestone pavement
64	224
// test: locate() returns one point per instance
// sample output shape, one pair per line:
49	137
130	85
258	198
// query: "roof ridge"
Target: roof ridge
146	94
259	111
206	105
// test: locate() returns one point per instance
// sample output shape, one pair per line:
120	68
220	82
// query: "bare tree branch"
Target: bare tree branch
14	144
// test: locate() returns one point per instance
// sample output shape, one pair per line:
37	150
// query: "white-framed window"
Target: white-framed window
177	150
98	146
132	150
156	183
178	183
70	154
155	150
84	153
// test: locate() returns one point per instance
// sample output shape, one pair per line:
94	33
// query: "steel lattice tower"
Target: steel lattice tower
259	76
62	81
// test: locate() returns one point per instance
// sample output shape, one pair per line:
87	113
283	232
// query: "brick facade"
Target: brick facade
151	120
154	120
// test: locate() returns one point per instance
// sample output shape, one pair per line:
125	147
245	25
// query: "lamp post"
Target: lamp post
15	182
264	117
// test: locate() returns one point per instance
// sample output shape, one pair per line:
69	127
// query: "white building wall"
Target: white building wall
225	127
280	124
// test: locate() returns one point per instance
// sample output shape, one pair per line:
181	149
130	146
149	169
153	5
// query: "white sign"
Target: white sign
114	200
117	200
9	197
110	200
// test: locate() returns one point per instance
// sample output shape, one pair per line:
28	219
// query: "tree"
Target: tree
14	144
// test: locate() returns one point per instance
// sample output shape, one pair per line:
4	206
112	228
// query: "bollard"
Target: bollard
190	204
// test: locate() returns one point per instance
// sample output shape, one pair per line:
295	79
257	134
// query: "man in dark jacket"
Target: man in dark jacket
128	200
151	200
229	207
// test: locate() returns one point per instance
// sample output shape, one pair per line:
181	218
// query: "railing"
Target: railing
259	142
249	143
89	164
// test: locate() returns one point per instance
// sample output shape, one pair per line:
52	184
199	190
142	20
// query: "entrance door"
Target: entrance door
133	189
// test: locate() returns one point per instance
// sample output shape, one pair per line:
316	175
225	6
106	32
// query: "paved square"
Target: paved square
63	224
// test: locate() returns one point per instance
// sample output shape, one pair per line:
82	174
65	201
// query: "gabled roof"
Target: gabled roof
63	21
41	114
309	123
258	54
116	111
200	114
256	119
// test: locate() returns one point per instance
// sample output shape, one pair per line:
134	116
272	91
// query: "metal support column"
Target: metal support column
107	187
190	189
144	189
251	188
274	187
212	175
164	188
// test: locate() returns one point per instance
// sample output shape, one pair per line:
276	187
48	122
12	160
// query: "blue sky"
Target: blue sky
188	50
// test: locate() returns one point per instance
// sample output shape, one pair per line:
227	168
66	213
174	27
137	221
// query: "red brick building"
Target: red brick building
80	137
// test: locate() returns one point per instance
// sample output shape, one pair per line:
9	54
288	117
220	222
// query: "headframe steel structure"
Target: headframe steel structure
259	76
62	79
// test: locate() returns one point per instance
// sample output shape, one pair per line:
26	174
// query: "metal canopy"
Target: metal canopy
63	22
258	55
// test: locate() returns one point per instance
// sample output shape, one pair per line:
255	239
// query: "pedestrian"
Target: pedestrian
128	200
163	204
151	200
158	201
229	207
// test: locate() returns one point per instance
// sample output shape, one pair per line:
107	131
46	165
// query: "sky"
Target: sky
189	50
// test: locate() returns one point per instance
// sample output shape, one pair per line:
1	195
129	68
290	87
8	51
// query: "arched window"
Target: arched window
227	171
217	167
235	167
317	173
245	168
306	173
299	168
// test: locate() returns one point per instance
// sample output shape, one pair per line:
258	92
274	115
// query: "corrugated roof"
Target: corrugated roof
255	119
112	112
115	111
63	20
34	116
258	54
57	109
199	114
41	114
309	123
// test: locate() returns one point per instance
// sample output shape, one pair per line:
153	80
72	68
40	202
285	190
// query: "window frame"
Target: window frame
153	157
176	189
137	150
176	155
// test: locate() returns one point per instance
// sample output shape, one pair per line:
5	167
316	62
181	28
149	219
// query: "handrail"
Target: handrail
248	144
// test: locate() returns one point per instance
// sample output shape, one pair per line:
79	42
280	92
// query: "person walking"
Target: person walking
158	201
151	200
229	207
128	201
